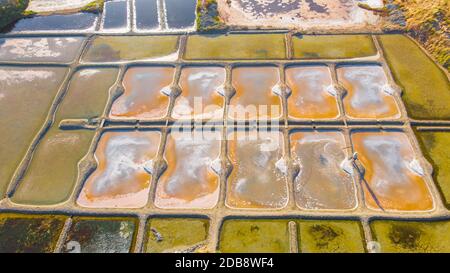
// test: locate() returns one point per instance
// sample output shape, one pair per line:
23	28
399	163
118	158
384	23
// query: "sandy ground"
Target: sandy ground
49	6
300	14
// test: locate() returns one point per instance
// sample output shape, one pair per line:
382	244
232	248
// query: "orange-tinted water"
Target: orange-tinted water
190	180
313	95
368	92
254	97
200	97
393	173
143	98
122	178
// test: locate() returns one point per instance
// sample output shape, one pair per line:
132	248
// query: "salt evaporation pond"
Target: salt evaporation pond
180	14
40	49
123	175
144	97
369	93
200	96
394	177
313	94
191	179
115	16
258	179
255	96
101	235
26	95
67	22
324	180
53	171
146	12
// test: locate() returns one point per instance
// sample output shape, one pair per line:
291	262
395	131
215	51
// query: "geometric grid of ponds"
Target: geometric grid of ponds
343	168
118	16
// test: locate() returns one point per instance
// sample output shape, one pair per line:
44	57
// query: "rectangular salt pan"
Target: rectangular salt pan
180	14
115	16
324	180
54	23
40	49
394	177
146	12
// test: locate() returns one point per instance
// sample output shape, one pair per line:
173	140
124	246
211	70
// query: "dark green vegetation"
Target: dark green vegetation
11	11
436	148
426	89
29	233
95	6
176	234
422	237
101	235
208	18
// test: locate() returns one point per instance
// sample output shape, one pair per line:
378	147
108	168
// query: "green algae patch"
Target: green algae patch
130	48
332	46
330	237
101	235
26	95
29	233
421	237
426	89
176	234
53	171
436	148
236	46
261	236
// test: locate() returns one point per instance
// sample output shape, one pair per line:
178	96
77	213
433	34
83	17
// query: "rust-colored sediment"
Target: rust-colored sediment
312	94
254	89
143	97
122	178
394	178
